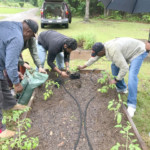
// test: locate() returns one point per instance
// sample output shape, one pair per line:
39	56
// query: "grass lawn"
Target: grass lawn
9	10
104	30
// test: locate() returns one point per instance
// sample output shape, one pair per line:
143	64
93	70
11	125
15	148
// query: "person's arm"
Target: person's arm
89	62
67	66
33	52
62	73
120	62
13	50
50	60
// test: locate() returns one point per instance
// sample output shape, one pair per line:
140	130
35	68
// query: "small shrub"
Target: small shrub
85	40
21	4
146	18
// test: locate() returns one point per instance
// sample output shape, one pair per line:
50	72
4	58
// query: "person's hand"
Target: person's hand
80	67
27	66
64	74
113	81
147	46
42	70
18	88
20	75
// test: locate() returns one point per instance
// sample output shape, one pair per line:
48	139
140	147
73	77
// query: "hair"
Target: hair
71	43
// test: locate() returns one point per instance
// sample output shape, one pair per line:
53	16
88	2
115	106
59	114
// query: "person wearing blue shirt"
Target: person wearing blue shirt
12	38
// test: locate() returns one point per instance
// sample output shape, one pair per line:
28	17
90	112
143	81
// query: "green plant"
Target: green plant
21	141
104	80
115	106
130	143
85	40
21	4
49	85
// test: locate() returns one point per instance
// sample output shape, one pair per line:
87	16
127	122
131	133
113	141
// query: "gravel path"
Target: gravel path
30	14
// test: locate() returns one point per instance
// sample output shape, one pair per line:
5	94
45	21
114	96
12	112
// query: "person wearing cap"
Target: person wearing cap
31	45
122	52
59	47
12	37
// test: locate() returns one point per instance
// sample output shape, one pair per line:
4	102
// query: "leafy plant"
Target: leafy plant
130	143
85	40
49	85
125	130
115	106
21	140
104	80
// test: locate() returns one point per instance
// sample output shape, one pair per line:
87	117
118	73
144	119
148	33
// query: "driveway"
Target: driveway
30	14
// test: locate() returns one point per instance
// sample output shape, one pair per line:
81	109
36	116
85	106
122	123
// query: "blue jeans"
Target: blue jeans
134	68
42	55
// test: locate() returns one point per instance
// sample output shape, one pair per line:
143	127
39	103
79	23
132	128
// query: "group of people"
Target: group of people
17	36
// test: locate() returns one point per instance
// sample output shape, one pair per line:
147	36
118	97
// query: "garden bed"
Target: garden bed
57	120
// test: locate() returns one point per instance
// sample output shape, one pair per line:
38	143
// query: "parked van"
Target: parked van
55	12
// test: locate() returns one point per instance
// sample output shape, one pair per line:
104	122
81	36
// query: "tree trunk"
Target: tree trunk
106	12
86	18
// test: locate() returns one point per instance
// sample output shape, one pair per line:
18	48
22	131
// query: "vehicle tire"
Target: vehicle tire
66	25
42	25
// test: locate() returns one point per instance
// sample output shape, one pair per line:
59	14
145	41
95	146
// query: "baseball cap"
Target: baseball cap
97	47
32	24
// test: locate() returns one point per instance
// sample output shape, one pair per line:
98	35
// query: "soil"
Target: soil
56	121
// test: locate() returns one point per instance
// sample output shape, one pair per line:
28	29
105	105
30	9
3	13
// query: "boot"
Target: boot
19	107
7	133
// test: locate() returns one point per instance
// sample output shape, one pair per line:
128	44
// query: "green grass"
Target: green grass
103	31
11	10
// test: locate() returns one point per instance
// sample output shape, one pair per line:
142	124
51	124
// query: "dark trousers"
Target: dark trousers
7	101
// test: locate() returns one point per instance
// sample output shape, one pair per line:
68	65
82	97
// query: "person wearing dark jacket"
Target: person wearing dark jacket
59	47
12	37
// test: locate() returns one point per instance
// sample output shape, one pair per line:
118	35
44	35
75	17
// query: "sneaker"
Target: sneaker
131	111
19	107
7	133
122	91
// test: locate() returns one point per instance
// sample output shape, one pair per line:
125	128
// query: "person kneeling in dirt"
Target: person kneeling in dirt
122	51
59	46
12	37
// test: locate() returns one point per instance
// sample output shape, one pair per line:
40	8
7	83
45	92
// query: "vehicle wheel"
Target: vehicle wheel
42	25
66	25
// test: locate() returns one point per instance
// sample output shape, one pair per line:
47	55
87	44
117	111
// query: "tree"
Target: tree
86	18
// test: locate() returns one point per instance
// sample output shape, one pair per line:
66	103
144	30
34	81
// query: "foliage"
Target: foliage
124	130
21	141
128	135
85	40
49	86
21	4
104	81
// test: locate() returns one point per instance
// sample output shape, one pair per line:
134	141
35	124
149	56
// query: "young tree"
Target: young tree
86	18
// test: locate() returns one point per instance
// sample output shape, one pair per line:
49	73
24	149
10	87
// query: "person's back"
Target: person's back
11	34
51	40
128	47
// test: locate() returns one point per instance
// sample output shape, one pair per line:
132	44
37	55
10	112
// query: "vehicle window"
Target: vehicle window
54	10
